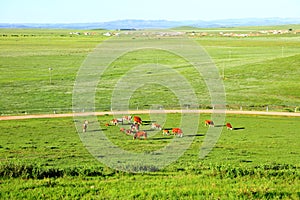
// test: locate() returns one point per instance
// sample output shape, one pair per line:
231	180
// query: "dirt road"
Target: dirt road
239	112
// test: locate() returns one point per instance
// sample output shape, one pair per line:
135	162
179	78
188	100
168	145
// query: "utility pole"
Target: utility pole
229	60
50	72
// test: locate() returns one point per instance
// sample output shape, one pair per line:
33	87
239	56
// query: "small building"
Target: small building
108	34
297	32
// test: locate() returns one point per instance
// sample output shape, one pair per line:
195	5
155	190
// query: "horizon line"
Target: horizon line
167	20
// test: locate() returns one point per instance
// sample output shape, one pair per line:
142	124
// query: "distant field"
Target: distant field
257	71
241	28
27	55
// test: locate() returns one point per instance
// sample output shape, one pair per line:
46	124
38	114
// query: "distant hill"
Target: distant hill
185	28
158	24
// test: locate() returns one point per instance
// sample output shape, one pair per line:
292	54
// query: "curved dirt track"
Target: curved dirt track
35	116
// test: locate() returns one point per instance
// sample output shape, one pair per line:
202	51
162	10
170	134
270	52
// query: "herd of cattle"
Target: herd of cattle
211	123
135	122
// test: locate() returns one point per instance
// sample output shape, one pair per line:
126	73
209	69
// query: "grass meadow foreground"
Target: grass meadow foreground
44	158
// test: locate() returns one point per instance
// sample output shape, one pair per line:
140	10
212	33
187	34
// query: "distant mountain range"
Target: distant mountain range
157	24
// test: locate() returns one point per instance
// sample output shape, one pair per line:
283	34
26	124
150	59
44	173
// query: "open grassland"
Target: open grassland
44	158
246	29
252	68
257	71
26	57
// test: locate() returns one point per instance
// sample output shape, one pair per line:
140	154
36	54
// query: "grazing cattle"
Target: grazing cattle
122	129
107	124
120	120
140	134
137	120
127	118
114	122
135	127
128	132
177	131
84	126
209	123
165	132
156	126
229	126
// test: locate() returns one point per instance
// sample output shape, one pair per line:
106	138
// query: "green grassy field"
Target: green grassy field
240	29
27	55
257	71
46	159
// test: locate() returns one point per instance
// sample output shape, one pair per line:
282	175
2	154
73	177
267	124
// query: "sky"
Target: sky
82	11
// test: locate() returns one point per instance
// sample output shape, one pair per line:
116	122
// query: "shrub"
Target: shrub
16	170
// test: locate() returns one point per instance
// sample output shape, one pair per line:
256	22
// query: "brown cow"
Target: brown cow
127	118
135	127
209	123
229	126
177	131
122	129
128	131
140	134
156	126
165	131
114	122
137	120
